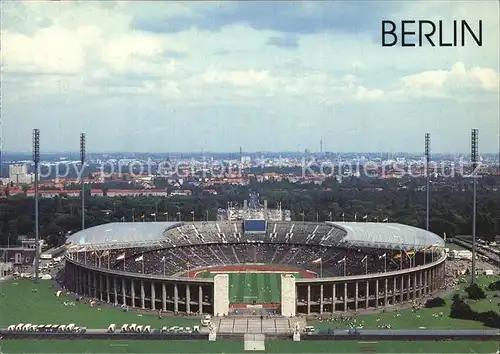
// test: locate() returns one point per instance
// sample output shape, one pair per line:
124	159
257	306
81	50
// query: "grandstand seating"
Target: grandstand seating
205	244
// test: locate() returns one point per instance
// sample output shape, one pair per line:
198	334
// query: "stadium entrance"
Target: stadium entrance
253	289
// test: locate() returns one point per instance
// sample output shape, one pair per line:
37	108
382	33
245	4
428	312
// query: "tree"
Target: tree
460	309
25	187
435	302
475	292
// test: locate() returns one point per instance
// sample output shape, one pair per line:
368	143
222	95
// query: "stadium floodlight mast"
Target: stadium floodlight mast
474	160
427	182
36	161
82	160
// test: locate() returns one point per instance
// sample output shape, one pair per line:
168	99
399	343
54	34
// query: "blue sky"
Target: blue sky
214	76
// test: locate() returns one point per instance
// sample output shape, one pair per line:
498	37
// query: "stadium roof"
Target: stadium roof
387	235
123	233
156	234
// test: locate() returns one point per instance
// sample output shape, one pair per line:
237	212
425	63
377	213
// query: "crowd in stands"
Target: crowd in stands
176	260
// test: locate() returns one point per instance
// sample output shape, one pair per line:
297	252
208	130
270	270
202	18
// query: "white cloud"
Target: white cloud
441	83
88	54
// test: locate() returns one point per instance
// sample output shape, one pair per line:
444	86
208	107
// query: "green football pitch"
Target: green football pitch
245	288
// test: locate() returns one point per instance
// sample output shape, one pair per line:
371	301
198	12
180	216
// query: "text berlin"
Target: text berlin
437	34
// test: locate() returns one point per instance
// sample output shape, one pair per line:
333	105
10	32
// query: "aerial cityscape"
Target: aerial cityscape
188	177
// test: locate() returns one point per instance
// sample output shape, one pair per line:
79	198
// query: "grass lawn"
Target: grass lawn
18	304
249	287
406	319
234	346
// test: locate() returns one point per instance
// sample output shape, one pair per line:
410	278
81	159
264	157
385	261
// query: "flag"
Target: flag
342	260
105	253
382	256
153	214
162	259
365	217
316	261
410	253
343	214
122	256
192	211
396	255
139	259
364	259
386	220
165	213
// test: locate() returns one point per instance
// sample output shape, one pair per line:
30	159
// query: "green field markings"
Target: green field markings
22	301
249	286
235	346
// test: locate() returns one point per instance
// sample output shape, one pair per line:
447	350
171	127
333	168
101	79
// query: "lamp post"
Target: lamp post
36	161
474	160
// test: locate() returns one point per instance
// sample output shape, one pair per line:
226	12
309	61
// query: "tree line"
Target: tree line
403	202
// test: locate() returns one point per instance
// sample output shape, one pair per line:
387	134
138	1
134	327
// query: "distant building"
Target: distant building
18	173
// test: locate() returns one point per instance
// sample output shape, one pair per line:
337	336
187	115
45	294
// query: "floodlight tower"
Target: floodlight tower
474	160
82	160
36	161
427	182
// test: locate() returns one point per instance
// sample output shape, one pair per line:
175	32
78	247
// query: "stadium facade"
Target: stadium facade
360	266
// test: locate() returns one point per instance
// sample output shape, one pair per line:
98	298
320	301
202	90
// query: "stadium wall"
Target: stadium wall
196	295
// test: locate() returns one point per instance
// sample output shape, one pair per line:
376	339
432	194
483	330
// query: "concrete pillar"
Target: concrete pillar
415	286
288	295
132	292
394	280
153	296
108	290
356	296
221	294
376	293
408	288
425	282
163	297
321	298
386	288
420	283
115	286
345	297
188	299
94	276
176	298
124	293
402	289
200	299
334	296
89	284
101	287
367	295
309	299
143	295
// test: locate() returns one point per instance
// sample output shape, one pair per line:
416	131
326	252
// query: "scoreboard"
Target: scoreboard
254	226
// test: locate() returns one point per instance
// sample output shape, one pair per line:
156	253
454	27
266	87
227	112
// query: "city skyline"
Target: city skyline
193	77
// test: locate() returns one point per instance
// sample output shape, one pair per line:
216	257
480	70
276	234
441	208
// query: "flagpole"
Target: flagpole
163	267
344	267
366	265
321	269
142	260
109	256
385	262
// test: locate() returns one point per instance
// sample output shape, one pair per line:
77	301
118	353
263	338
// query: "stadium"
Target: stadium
255	266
